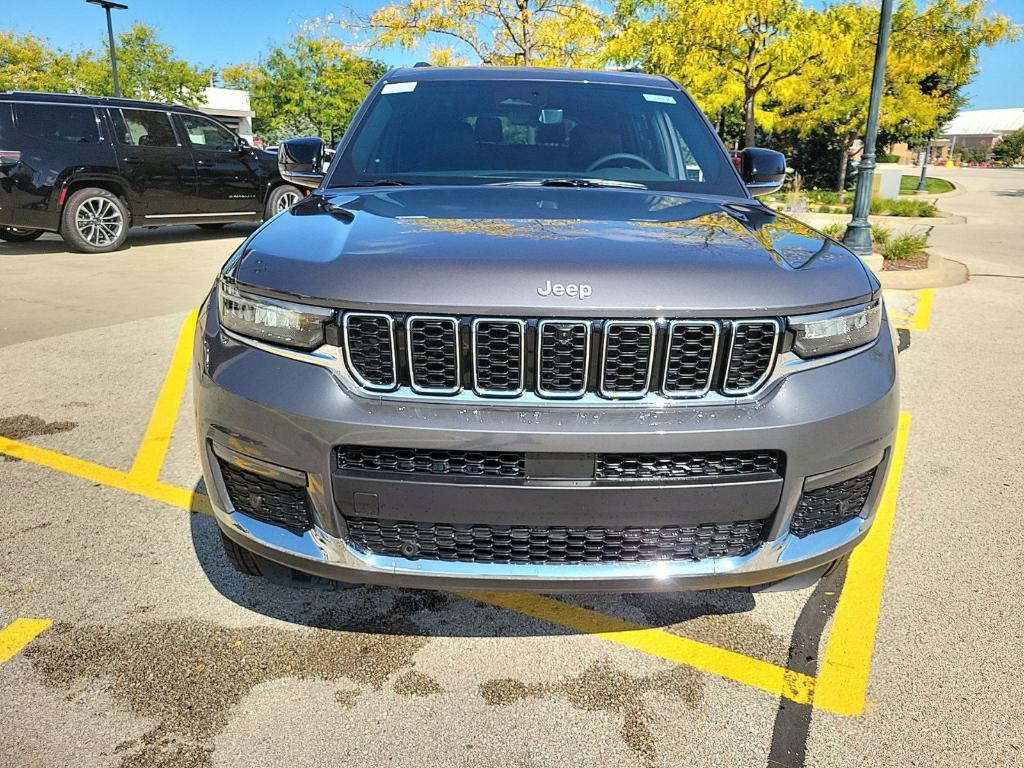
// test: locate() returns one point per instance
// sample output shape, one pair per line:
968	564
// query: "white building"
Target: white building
980	129
231	107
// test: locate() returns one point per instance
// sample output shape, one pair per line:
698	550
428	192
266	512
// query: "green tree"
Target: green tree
313	84
27	63
524	32
147	69
1010	149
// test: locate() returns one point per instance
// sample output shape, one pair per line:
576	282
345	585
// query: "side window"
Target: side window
144	128
67	124
208	134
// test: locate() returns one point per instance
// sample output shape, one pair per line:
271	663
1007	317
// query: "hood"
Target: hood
547	251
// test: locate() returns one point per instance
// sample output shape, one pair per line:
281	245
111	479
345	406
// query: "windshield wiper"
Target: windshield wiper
571	182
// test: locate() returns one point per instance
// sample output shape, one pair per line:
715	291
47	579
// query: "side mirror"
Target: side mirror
763	170
301	161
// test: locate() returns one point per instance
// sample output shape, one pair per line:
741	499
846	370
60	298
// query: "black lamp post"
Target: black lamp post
858	231
107	5
922	187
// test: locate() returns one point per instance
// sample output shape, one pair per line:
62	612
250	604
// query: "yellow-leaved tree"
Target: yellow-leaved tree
726	52
933	54
526	32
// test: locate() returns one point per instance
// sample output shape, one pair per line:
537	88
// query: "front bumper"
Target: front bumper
264	412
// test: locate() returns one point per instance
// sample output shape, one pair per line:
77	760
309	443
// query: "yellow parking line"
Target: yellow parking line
150	458
182	498
681	650
921	317
846	662
18	634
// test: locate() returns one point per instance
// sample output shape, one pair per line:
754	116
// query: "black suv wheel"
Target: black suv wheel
282	198
94	221
19	235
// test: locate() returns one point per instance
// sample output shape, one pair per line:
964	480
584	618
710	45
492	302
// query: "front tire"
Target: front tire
281	199
94	220
19	234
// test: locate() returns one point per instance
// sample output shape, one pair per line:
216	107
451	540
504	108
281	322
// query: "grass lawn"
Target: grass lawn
908	185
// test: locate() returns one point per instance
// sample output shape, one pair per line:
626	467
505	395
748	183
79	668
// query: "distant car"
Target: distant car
91	167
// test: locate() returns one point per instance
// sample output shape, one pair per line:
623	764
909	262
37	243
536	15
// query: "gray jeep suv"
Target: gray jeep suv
532	331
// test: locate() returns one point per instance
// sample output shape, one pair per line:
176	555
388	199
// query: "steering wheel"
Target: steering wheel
620	156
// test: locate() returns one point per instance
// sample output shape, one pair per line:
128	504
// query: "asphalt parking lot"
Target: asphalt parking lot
127	640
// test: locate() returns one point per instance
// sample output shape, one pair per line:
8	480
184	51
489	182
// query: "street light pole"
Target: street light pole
924	155
858	231
107	5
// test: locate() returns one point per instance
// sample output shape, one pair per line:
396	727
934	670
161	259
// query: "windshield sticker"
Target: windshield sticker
660	98
399	87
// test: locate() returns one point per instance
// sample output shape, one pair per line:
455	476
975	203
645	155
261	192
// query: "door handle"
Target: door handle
132	160
205	163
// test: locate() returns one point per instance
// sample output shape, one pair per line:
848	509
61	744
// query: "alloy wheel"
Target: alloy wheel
287	200
99	221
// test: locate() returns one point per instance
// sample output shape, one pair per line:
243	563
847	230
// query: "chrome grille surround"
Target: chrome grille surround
613	330
677	344
333	356
735	371
430	332
357	366
479	329
558	360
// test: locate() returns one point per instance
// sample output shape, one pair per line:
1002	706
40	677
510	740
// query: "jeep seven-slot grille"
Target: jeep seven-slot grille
560	358
552	544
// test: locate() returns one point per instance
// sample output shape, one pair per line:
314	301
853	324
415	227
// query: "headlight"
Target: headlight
273	320
826	333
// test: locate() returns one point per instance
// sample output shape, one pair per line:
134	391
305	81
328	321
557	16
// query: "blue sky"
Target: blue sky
218	32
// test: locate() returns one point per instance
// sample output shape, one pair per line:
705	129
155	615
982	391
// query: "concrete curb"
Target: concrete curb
941	272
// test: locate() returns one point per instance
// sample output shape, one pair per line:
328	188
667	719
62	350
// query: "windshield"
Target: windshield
499	131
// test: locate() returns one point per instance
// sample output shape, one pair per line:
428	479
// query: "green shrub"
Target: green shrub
911	208
904	246
835	230
885	207
885	157
824	196
880	235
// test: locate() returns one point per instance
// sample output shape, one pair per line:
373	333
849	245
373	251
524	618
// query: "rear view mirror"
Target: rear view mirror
763	170
301	161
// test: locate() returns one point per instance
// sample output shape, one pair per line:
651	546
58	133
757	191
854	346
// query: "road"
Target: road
158	654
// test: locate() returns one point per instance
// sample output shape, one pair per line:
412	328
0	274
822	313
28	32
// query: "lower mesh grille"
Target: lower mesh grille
555	544
266	499
618	466
832	505
424	460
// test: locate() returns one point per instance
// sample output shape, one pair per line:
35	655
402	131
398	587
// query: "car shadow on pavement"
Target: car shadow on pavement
329	605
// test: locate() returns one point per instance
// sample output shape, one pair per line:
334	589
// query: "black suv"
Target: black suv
90	167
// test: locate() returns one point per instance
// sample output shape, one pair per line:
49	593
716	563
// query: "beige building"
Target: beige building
979	129
231	107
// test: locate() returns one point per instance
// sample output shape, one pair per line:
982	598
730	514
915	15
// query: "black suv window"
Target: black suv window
206	134
74	125
487	131
143	128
